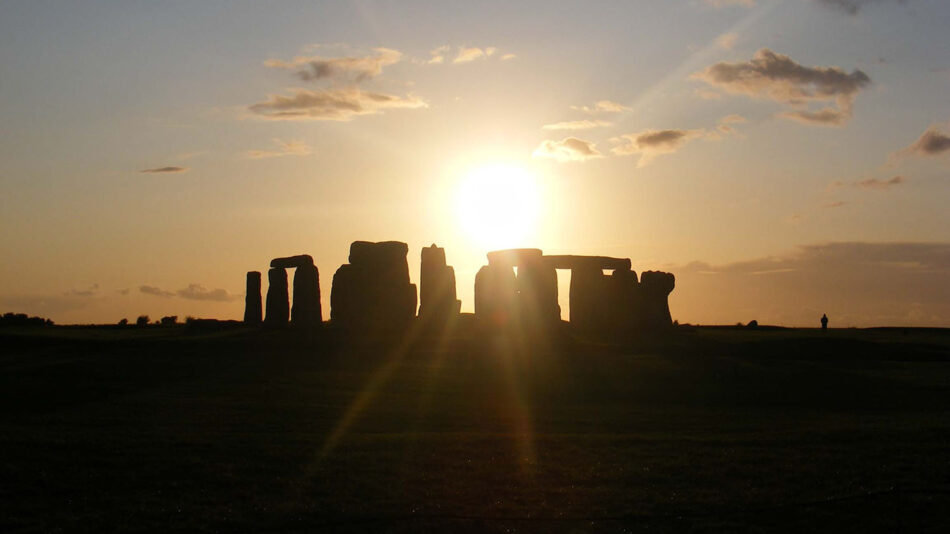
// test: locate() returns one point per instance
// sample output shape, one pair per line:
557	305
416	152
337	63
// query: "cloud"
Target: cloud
124	291
933	142
719	4
506	57
567	149
881	185
724	126
727	41
824	117
332	104
162	170
199	292
467	54
155	291
836	204
777	77
284	148
652	143
192	292
852	7
437	55
91	291
602	106
576	125
855	283
314	68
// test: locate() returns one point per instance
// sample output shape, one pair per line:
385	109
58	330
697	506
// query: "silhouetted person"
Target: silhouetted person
824	322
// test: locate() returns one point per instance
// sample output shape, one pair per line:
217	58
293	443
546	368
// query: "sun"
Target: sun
498	205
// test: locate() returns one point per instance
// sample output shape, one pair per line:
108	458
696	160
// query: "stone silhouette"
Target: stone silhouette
824	322
278	305
373	291
655	287
600	304
517	289
496	294
595	303
292	262
437	296
528	299
306	308
252	299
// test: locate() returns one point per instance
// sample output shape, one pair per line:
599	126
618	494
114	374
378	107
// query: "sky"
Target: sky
783	159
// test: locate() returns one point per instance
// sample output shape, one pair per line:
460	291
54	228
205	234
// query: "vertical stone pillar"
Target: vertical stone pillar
655	288
306	309
437	294
496	293
537	292
252	299
587	297
278	299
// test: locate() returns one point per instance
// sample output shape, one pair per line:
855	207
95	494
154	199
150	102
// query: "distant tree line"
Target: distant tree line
22	319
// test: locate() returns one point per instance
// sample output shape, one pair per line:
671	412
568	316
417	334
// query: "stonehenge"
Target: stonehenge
306	309
437	296
252	299
373	292
599	303
278	308
518	288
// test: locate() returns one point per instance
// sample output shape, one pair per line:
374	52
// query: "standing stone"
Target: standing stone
437	286
373	291
278	300
587	298
252	299
306	310
655	287
537	293
626	303
496	294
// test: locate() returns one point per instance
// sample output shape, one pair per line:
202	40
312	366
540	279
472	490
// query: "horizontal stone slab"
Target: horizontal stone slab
291	262
577	262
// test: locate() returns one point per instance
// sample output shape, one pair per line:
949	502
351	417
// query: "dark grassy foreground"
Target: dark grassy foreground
237	430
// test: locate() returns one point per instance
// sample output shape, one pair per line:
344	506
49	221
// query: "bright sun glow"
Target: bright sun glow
498	205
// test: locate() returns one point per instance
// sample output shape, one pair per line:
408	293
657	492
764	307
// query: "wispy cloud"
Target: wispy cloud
355	68
873	184
156	291
602	106
852	7
576	125
471	53
199	292
567	149
725	126
777	77
855	283
437	55
293	147
91	291
719	4
652	143
171	169
727	41
332	104
192	292
932	142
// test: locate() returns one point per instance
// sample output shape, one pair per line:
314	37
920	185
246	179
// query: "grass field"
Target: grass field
712	429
